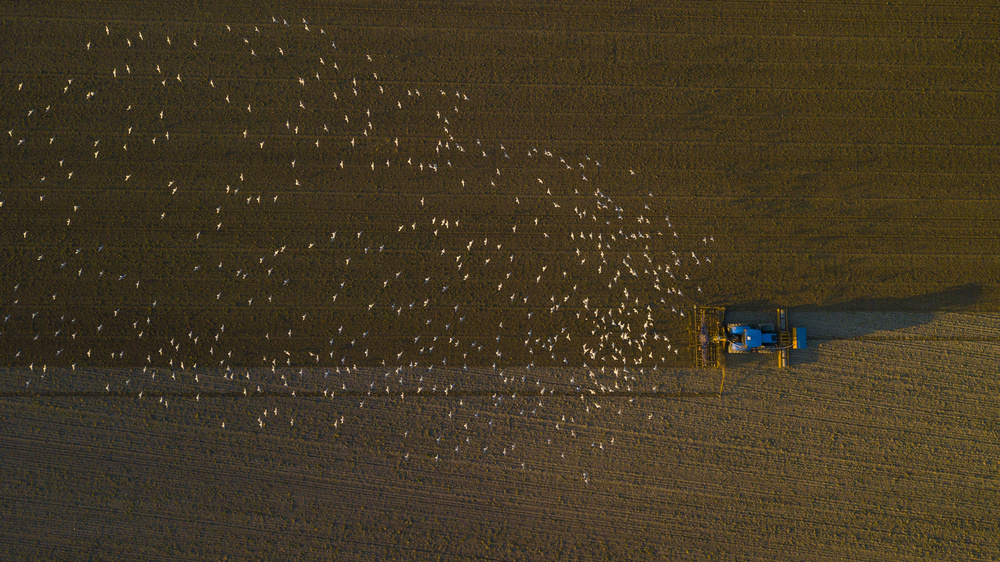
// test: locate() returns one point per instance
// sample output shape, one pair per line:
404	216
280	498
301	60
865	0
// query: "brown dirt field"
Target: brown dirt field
488	358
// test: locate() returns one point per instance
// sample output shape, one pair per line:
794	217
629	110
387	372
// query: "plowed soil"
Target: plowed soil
412	281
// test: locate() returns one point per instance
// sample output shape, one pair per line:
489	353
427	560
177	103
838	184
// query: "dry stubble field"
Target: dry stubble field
375	394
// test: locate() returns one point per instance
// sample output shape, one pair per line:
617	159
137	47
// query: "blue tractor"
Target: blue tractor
743	338
712	336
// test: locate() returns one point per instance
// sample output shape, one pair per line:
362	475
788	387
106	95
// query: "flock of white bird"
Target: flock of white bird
466	255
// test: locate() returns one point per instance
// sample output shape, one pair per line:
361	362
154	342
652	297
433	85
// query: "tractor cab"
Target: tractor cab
745	338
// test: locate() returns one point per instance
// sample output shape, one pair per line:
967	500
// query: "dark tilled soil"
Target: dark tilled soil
406	281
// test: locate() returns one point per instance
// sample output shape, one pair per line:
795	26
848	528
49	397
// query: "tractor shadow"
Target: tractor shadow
854	319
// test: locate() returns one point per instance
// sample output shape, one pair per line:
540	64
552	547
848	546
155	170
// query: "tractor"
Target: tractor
712	337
